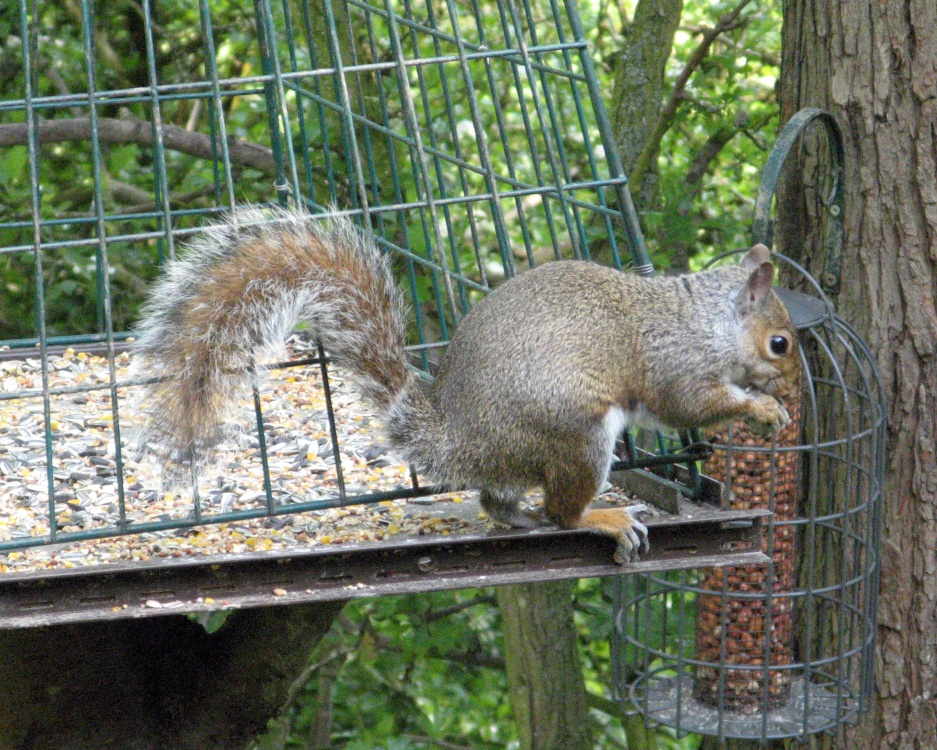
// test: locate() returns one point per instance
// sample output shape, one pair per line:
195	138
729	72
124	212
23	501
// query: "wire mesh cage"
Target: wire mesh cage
785	648
468	138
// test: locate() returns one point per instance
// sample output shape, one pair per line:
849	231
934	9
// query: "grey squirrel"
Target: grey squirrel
537	383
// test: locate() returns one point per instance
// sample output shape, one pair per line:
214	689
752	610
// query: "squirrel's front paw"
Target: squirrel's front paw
633	539
767	415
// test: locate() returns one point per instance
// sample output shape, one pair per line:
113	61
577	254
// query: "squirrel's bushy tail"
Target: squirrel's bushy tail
237	293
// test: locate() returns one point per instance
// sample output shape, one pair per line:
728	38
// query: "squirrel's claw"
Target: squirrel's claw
785	416
633	539
768	415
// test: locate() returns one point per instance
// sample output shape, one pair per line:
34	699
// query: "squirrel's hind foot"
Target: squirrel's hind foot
503	506
621	525
632	539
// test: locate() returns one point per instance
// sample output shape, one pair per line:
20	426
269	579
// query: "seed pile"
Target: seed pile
86	467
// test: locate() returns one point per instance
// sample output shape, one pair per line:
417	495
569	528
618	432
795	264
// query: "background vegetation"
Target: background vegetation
428	670
697	167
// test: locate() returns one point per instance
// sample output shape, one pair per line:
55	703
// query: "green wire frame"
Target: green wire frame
468	142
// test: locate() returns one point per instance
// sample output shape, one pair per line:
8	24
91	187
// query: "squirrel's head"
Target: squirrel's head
772	358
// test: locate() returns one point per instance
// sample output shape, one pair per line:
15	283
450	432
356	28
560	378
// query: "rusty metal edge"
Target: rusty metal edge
109	592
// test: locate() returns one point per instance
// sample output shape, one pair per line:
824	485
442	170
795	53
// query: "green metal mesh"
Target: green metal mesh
469	138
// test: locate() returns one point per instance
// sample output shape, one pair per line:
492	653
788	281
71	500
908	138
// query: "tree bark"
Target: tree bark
639	85
874	66
544	675
160	683
131	130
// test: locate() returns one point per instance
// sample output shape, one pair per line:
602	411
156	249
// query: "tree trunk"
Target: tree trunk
874	66
639	85
160	683
544	675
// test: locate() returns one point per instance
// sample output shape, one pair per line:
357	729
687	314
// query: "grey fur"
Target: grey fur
534	382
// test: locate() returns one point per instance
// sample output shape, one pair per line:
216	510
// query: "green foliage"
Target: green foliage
427	671
125	175
729	97
211	621
731	92
733	89
408	677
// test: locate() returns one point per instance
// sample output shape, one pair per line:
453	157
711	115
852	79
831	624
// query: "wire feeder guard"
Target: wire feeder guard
374	109
785	649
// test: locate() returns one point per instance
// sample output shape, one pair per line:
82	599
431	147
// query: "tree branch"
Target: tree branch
175	200
132	130
640	79
55	77
605	705
761	56
693	182
471	658
115	62
126	193
439	614
718	141
652	145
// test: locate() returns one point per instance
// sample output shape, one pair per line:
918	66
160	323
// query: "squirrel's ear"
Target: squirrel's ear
757	287
755	257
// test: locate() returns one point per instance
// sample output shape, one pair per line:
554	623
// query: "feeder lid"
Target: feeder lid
805	311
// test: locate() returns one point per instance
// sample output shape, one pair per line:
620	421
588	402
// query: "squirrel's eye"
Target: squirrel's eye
779	345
